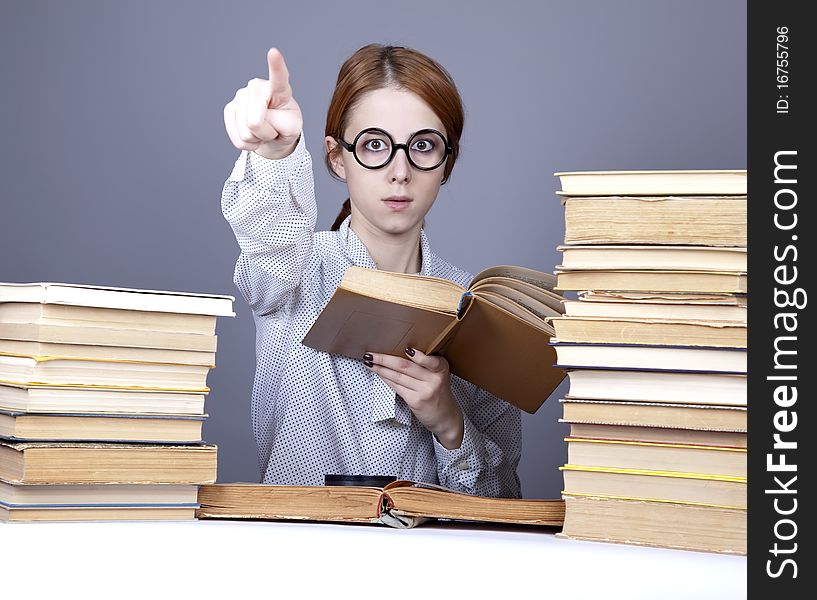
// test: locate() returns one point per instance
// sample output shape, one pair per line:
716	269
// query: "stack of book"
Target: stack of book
655	349
102	401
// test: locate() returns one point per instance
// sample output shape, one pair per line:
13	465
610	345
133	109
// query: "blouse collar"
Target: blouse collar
359	255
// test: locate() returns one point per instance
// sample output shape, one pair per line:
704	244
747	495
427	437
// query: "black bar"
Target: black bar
782	355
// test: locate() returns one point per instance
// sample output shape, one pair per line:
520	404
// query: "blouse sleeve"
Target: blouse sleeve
270	205
485	463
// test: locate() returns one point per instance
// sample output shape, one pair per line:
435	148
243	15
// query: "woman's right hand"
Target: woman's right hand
264	117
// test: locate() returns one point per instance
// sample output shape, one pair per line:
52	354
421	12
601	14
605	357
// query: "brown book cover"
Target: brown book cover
494	334
400	504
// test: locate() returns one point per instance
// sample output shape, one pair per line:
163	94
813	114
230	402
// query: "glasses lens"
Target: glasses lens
373	148
427	149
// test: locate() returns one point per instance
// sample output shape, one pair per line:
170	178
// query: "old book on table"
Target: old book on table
494	334
661	486
655	332
19	426
685	387
654	182
29	370
675	258
400	504
653	281
654	456
656	220
47	398
70	294
80	463
655	414
661	524
645	358
97	502
664	307
695	437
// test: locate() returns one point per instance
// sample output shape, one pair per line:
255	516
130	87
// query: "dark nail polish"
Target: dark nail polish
368	357
410	351
368	363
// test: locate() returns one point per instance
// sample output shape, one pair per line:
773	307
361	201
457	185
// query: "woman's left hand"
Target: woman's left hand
424	383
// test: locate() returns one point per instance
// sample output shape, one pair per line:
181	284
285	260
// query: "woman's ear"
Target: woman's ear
333	151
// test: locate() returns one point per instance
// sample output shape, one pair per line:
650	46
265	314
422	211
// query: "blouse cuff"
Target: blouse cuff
462	463
259	164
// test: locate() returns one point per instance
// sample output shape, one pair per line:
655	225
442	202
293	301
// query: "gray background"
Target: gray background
113	151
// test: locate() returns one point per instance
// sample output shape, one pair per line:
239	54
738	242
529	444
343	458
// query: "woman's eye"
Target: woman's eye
424	145
375	145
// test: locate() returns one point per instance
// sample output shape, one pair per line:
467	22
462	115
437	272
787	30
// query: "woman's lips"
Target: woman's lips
397	203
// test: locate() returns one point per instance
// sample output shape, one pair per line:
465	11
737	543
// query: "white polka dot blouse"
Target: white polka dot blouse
315	413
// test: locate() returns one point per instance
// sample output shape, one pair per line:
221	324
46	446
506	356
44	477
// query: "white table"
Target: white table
254	560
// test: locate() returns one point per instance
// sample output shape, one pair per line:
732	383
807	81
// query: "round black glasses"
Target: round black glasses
374	148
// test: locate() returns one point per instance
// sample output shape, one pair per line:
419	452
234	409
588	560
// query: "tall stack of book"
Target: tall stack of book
102	401
655	348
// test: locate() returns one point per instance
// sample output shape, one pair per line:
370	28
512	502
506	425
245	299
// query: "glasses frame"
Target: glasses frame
395	147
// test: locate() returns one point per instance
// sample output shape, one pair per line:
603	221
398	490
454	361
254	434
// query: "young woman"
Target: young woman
392	134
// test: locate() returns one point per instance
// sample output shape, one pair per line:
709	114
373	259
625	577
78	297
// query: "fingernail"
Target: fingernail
410	351
368	357
368	363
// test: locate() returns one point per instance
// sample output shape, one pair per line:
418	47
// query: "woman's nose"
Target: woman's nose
400	169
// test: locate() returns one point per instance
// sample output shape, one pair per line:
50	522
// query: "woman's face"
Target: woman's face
393	199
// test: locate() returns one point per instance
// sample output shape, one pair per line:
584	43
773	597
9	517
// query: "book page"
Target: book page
546	281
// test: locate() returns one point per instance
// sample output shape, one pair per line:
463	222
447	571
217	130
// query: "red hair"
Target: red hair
376	66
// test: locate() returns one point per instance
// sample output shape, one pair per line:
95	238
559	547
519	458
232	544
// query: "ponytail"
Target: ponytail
345	211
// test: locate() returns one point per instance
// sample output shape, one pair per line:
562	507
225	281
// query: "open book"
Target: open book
494	334
400	504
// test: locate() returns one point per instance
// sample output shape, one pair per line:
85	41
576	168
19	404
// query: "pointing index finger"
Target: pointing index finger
278	75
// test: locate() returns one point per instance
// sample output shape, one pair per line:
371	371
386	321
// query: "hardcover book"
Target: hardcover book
655	414
662	307
650	523
493	334
671	435
655	332
655	456
79	463
181	429
71	400
685	387
93	502
31	371
71	294
656	220
713	282
400	504
628	257
653	182
663	486
645	358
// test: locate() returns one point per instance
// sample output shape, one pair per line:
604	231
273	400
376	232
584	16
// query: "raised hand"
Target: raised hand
263	116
